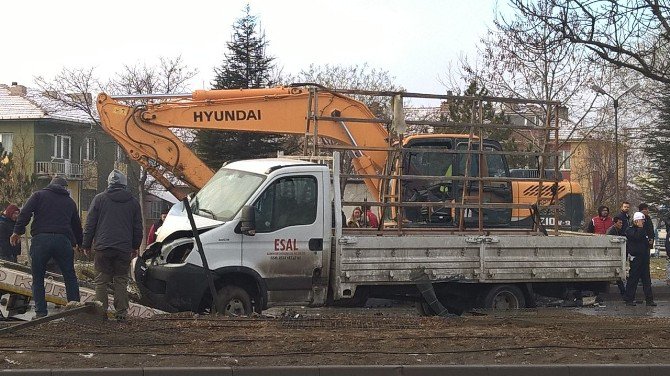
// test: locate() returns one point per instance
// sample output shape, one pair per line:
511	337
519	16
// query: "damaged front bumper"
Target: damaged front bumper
170	287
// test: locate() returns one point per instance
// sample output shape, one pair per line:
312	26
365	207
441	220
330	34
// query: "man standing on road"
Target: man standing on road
637	247
624	216
55	230
114	228
600	223
617	230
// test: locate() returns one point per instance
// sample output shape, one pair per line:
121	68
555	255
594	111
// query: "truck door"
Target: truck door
493	165
288	245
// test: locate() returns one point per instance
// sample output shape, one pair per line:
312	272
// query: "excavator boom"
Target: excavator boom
143	131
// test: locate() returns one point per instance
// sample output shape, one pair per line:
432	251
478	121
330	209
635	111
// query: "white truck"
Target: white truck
272	233
456	230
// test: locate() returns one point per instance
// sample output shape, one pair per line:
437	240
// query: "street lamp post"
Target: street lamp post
600	90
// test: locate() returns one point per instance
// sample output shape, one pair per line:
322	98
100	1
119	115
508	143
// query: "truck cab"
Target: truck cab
283	260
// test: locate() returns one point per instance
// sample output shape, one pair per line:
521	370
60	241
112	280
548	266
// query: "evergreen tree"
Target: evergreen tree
245	66
655	188
460	111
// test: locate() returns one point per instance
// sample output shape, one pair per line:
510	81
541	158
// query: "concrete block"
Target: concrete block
443	370
529	370
609	369
180	371
659	369
26	372
361	370
275	371
98	371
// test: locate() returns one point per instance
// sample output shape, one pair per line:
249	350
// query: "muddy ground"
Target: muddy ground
336	337
331	336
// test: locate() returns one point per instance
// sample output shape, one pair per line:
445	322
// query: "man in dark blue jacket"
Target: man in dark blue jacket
637	247
55	230
114	231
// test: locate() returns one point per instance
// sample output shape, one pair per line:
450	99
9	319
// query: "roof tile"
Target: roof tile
35	105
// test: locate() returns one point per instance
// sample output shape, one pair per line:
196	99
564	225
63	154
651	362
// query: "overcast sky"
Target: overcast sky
414	40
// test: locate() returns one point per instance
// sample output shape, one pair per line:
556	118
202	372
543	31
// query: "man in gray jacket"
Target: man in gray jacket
114	230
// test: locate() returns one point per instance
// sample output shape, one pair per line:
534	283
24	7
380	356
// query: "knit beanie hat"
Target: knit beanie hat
10	210
117	177
57	180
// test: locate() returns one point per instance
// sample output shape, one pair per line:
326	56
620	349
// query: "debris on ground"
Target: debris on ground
339	336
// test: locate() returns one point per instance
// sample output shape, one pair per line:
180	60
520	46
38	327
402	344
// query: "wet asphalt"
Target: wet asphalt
613	304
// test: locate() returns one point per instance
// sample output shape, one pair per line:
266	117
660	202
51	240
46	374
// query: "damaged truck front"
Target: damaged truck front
280	261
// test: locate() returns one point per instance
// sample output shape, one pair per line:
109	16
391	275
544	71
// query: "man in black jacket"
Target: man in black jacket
624	215
616	228
637	247
114	229
7	222
648	225
55	230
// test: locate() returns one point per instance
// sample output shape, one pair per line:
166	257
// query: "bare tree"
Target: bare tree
72	88
632	34
593	163
522	58
168	77
353	77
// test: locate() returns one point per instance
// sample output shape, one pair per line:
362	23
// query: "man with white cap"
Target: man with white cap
114	230
637	246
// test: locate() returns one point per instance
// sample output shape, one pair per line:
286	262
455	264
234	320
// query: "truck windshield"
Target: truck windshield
223	196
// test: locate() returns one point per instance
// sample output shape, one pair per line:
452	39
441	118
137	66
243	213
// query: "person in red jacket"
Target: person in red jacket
600	223
151	236
369	218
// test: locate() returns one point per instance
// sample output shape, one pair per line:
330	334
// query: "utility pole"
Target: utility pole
600	90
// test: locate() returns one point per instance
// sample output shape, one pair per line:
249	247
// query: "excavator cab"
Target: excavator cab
422	156
428	163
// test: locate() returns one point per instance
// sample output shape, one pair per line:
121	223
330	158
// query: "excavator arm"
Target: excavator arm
143	131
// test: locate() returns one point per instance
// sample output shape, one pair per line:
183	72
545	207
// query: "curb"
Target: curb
394	370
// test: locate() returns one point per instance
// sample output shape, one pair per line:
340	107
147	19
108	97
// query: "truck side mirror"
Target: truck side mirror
248	221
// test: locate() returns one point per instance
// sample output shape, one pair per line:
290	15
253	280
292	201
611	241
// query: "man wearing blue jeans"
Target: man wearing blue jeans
55	230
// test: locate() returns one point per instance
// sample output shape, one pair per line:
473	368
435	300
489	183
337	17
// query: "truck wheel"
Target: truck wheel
233	301
504	297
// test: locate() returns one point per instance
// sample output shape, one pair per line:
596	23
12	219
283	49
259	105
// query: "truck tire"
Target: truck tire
233	301
504	297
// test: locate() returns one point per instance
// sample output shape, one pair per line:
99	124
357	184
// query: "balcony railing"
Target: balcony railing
65	169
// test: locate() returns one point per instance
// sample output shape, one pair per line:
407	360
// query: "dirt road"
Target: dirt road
330	336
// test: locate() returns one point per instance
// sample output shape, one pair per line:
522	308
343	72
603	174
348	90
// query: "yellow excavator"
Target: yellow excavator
144	132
